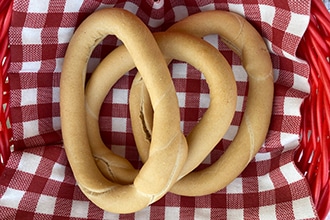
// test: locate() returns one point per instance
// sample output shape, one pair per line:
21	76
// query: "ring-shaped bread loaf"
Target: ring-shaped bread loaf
203	137
239	35
168	149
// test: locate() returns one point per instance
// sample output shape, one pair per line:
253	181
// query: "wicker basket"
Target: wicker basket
312	156
5	130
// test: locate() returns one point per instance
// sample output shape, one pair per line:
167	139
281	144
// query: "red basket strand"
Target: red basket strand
312	156
5	129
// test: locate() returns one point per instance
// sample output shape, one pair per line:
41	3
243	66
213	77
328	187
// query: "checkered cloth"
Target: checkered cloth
38	182
327	4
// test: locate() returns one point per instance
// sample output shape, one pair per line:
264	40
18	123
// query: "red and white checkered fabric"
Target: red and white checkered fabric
38	182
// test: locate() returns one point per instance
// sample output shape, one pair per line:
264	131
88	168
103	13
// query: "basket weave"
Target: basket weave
312	156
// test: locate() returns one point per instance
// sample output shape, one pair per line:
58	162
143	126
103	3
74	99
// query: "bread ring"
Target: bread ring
206	134
245	41
168	149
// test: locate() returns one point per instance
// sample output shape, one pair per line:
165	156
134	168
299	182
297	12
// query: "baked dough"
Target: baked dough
168	149
239	35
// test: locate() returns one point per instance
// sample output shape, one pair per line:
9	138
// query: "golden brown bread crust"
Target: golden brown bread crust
160	171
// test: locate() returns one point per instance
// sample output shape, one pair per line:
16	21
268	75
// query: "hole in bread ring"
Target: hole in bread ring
203	137
168	150
239	35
